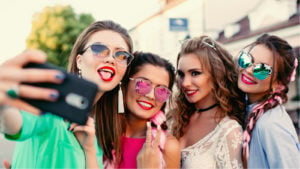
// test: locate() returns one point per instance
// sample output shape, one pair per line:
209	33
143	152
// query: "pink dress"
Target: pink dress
133	146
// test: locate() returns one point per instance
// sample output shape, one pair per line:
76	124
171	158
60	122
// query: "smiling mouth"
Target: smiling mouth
145	105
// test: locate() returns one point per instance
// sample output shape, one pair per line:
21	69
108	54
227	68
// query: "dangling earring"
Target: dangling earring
120	100
79	73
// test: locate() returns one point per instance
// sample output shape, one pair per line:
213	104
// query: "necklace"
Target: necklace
208	108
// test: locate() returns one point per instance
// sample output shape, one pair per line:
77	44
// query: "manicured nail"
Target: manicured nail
60	76
148	124
158	127
54	95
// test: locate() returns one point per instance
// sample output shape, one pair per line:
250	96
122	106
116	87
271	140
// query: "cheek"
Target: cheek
120	71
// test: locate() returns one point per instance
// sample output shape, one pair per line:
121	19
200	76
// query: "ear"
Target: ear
78	61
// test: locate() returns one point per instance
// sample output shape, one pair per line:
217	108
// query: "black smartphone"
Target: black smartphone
76	96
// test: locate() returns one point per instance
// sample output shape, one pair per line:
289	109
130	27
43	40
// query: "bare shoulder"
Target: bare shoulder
172	152
172	144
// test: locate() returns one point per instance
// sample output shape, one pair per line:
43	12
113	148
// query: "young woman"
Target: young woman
208	112
147	87
101	54
265	69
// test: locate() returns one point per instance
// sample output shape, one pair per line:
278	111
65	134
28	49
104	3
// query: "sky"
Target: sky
16	15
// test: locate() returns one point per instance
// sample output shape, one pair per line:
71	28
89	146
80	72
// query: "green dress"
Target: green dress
45	142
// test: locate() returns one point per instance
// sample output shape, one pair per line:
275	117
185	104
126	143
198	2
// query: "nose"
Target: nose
151	94
109	58
249	69
185	81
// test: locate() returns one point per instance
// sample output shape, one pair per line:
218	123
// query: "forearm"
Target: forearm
10	120
91	159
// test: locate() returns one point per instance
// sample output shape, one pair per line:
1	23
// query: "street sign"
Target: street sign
178	24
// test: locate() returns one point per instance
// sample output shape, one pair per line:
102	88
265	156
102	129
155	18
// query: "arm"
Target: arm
172	152
280	145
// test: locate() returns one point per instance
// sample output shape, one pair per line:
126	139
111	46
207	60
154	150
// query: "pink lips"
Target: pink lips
106	73
247	80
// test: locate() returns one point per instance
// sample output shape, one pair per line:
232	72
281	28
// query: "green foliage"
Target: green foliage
55	30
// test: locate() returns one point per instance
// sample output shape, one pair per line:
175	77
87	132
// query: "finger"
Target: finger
72	126
157	138
21	105
86	129
90	122
6	164
148	135
28	56
32	92
31	75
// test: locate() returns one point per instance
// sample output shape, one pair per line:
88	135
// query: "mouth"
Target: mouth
247	80
106	73
145	105
189	92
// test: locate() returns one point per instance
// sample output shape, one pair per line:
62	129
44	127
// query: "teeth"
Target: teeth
107	70
145	104
247	79
190	92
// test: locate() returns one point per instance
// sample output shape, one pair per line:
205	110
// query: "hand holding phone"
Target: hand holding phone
76	96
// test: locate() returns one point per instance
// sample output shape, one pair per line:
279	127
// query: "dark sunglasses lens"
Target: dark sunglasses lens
261	71
122	56
142	86
162	94
244	60
99	49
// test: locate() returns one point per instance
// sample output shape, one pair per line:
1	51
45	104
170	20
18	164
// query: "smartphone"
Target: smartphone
76	96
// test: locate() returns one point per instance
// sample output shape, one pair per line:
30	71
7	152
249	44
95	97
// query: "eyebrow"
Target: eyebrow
191	70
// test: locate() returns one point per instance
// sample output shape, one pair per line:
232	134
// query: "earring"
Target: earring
79	73
120	100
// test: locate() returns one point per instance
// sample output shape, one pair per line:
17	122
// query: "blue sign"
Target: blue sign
178	24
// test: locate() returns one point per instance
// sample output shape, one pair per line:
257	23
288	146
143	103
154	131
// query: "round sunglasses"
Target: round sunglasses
144	86
260	70
100	51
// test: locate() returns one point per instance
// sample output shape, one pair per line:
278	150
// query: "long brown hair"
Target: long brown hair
105	110
219	63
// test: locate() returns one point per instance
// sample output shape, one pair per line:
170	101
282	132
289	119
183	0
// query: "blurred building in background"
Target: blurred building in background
178	20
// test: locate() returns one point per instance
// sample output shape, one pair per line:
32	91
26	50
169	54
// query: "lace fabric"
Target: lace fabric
221	148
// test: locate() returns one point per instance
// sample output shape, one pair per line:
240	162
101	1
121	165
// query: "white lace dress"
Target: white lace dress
221	148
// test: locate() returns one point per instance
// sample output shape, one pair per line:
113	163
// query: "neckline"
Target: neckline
207	108
208	136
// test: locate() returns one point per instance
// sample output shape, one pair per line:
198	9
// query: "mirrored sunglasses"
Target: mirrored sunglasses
144	86
100	51
260	70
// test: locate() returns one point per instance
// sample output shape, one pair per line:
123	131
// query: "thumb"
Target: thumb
6	164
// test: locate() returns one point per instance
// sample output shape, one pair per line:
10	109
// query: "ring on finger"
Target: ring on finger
13	92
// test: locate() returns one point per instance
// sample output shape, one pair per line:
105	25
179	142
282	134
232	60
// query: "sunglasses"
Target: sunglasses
101	51
144	86
260	70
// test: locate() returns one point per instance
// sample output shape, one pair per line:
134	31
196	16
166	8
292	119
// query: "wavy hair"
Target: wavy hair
219	63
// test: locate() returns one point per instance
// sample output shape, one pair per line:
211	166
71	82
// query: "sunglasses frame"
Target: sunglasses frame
155	89
255	66
128	61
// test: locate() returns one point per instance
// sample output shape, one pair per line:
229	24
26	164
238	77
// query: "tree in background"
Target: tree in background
55	30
